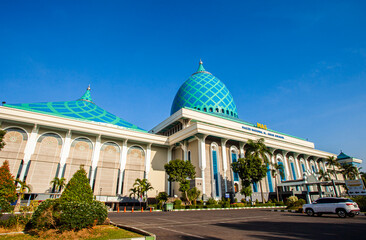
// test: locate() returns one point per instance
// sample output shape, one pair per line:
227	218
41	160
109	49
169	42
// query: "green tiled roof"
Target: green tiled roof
205	92
342	156
82	109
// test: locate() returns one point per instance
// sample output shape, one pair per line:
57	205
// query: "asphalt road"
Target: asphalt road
243	224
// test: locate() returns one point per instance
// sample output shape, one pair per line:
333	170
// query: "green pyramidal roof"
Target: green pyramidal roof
342	156
82	109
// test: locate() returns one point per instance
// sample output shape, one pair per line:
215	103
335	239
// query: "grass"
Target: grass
100	232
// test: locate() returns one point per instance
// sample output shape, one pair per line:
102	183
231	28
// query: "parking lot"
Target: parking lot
242	224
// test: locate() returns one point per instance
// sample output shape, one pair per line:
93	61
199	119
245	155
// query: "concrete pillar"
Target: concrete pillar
95	159
29	150
224	160
169	190
65	153
147	160
241	149
202	160
297	165
122	165
286	165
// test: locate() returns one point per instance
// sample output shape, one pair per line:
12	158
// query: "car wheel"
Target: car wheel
342	213
319	214
310	212
351	214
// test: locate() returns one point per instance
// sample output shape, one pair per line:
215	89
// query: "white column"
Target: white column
202	160
285	162
65	153
95	159
184	147
224	160
122	165
297	165
29	150
169	158
147	160
241	149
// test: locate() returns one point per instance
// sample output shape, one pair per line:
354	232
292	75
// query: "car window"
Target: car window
323	200
345	200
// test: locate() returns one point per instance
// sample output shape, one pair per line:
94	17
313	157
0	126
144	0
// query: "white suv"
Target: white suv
340	206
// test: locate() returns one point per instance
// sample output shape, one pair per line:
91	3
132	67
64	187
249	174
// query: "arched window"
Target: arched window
211	110
293	169
217	110
222	110
283	178
303	167
205	109
189	156
227	112
234	158
215	169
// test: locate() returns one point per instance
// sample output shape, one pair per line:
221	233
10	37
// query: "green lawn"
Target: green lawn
102	232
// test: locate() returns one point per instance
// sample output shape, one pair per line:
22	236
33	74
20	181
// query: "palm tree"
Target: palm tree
349	171
259	150
58	184
332	162
22	188
323	175
142	186
277	169
133	192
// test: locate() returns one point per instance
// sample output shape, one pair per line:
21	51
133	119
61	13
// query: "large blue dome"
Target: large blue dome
205	92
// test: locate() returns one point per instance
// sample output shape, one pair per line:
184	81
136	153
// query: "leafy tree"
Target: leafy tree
22	187
162	198
58	184
2	134
7	186
246	191
250	169
259	150
78	188
333	163
193	194
277	170
180	171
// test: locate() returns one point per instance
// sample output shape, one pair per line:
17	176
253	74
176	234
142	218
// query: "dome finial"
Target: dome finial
200	67
87	96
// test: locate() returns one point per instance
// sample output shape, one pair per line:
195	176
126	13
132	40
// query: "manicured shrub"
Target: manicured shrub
46	216
361	202
291	201
79	215
211	201
78	188
177	203
280	203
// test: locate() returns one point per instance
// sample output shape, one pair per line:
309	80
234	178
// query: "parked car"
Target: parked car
342	206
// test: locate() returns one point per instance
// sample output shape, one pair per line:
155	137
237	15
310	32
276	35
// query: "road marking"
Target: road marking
188	234
168	220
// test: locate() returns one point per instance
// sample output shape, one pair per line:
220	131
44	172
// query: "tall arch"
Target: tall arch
216	189
135	167
108	166
234	156
15	139
293	167
44	161
81	152
280	161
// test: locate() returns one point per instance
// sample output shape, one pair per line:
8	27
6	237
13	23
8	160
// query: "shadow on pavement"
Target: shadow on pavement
301	230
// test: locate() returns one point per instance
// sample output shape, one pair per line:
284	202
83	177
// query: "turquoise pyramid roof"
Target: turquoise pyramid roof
342	156
205	92
82	109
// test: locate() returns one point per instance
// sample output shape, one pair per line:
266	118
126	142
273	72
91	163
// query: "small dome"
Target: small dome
205	92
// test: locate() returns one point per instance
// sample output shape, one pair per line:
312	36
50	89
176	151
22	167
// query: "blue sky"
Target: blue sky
298	67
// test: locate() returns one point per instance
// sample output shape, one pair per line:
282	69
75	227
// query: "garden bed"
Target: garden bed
100	232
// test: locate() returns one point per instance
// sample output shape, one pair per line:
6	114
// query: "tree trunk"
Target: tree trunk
186	193
17	205
278	198
262	195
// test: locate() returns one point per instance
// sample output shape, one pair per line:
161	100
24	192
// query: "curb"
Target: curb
205	209
9	233
147	235
294	211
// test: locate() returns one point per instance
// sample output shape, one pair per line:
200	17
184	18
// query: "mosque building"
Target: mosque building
53	139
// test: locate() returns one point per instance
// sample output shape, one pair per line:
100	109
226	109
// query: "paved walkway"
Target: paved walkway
243	224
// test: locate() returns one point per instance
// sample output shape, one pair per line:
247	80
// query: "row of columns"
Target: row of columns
65	151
